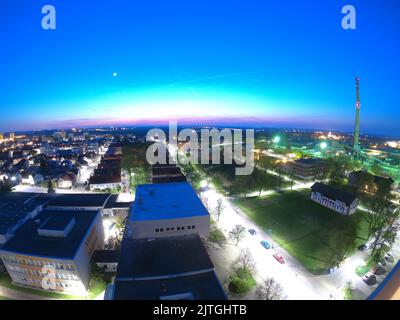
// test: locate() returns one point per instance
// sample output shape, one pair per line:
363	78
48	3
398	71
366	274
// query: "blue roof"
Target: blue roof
166	201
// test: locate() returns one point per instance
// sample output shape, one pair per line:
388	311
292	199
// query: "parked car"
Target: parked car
363	247
378	270
279	258
389	257
369	278
265	244
331	270
252	232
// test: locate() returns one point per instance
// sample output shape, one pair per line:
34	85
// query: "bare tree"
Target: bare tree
219	208
245	261
270	290
237	233
205	201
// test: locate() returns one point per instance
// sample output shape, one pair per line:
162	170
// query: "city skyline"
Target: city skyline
127	63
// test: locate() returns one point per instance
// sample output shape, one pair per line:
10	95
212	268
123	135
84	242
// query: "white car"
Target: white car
389	257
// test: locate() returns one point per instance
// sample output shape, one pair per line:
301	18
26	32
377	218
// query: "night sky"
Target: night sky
285	63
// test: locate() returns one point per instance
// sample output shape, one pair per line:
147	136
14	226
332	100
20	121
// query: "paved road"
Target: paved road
297	281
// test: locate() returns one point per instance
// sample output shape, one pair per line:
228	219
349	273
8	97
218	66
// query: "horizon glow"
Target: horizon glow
240	62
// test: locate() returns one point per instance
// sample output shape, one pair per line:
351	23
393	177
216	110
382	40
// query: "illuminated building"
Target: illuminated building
337	200
61	241
167	209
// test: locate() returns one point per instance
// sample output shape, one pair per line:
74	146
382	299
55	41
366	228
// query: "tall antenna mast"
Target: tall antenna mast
357	123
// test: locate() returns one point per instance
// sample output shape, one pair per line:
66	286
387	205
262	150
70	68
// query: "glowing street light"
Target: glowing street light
277	139
323	145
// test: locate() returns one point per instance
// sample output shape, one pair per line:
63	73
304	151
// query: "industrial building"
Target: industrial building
162	253
60	241
337	200
106	259
355	178
79	201
171	268
167	209
167	173
15	209
308	169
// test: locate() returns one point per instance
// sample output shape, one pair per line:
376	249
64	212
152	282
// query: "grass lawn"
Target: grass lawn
362	270
96	287
310	232
216	235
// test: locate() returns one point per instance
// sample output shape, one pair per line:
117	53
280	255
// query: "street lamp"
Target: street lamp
323	145
277	139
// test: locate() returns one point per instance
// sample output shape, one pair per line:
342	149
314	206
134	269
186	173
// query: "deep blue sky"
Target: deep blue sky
280	63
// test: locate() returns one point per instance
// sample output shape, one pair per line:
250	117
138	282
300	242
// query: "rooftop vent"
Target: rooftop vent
58	226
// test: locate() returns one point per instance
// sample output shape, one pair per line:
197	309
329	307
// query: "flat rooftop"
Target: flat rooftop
27	241
17	197
203	286
310	161
166	201
79	200
159	257
56	222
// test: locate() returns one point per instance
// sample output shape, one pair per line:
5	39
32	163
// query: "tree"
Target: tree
50	187
385	231
270	290
242	280
259	180
237	233
376	169
43	166
363	182
348	291
384	189
245	261
219	207
5	185
120	222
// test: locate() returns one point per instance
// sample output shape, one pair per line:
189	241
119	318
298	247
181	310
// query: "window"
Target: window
162	230
157	230
178	228
189	227
193	227
168	229
183	228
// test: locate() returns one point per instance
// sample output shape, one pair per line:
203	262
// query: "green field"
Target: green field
313	234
